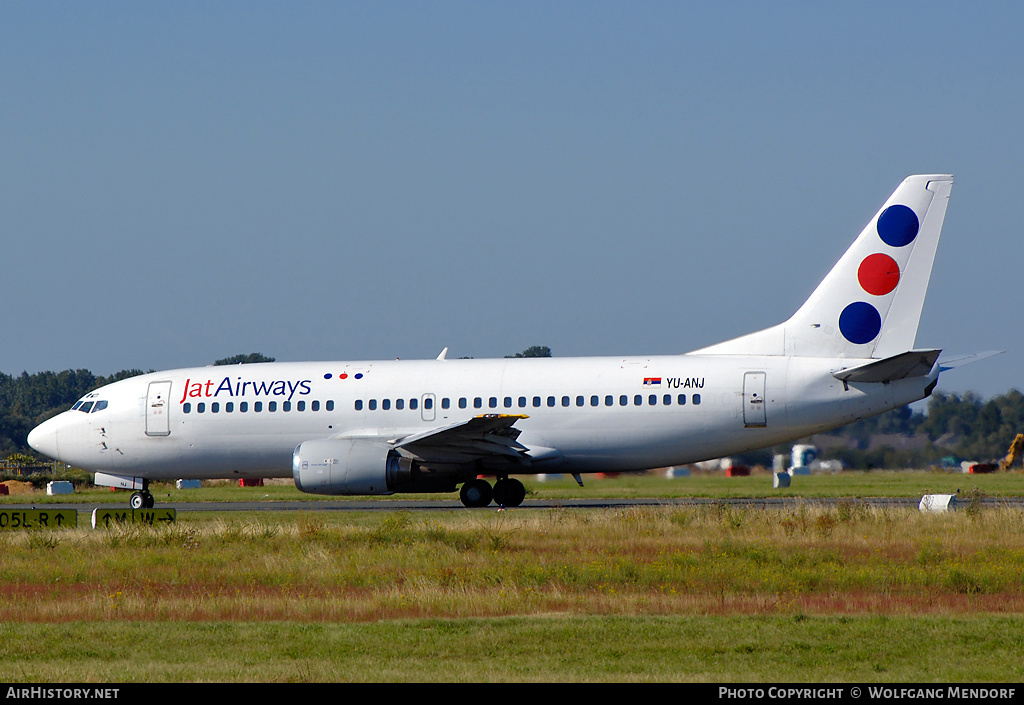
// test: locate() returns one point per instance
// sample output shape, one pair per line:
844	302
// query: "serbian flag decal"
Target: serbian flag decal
652	382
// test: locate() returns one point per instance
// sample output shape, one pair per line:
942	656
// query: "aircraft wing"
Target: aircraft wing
481	437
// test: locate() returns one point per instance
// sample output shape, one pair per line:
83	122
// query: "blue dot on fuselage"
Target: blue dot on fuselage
327	376
860	323
897	226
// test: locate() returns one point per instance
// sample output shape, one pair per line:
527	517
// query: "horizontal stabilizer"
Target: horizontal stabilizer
961	360
913	363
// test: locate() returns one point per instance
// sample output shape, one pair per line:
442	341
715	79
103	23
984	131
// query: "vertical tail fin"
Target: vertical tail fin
870	304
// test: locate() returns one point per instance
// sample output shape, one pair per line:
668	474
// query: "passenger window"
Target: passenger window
428	403
200	407
257	406
359	404
623	400
508	402
315	405
595	400
682	400
300	406
286	406
229	407
399	404
186	408
478	403
330	405
215	407
653	400
522	402
385	404
462	402
551	401
579	401
609	400
696	399
638	400
446	403
493	402
414	404
373	405
667	400
536	401
243	406
272	406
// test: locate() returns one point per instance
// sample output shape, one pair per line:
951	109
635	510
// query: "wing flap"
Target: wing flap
488	435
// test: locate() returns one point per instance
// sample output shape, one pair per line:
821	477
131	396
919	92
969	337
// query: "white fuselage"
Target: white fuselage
580	414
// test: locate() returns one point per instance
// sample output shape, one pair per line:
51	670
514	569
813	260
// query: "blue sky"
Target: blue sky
181	182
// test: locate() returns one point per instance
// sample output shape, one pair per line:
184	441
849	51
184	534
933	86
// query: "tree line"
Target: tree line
954	426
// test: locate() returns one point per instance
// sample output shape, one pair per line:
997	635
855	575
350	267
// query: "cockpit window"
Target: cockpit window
89	406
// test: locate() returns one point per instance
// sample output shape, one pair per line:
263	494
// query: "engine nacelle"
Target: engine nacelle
345	467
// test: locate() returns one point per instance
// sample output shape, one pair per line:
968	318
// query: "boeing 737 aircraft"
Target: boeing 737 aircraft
363	428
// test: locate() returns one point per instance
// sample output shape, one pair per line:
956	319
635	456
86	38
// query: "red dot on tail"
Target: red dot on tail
878	274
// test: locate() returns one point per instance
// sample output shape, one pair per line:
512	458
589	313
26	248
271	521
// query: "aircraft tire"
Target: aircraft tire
476	493
141	500
509	493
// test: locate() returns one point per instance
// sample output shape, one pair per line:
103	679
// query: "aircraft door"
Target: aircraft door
427	407
158	422
753	399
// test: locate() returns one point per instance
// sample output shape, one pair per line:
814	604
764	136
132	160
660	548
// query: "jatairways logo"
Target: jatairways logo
240	388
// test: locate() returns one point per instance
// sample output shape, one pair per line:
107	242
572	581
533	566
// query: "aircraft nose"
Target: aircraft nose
43	438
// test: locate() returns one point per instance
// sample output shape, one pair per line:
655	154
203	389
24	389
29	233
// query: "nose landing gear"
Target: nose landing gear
142	500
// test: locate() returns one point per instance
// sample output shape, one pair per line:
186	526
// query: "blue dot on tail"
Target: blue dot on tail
897	226
860	323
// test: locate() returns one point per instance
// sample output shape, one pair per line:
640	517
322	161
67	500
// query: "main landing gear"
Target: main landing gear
506	492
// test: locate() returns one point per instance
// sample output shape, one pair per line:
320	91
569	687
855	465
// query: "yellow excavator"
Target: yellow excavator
1015	452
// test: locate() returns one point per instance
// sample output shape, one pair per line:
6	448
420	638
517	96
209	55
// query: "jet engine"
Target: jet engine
342	466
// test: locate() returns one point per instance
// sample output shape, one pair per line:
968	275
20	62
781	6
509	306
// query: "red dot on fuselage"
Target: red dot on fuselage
878	274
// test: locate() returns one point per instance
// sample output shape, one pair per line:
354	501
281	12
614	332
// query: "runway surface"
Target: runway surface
392	505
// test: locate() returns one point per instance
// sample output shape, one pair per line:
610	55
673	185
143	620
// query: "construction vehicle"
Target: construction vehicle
1015	452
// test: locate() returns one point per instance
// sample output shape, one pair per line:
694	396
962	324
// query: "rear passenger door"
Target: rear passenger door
753	399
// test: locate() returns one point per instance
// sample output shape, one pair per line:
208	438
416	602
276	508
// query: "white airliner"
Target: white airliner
364	428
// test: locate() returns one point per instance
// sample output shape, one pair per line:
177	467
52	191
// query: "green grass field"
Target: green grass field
722	649
708	593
